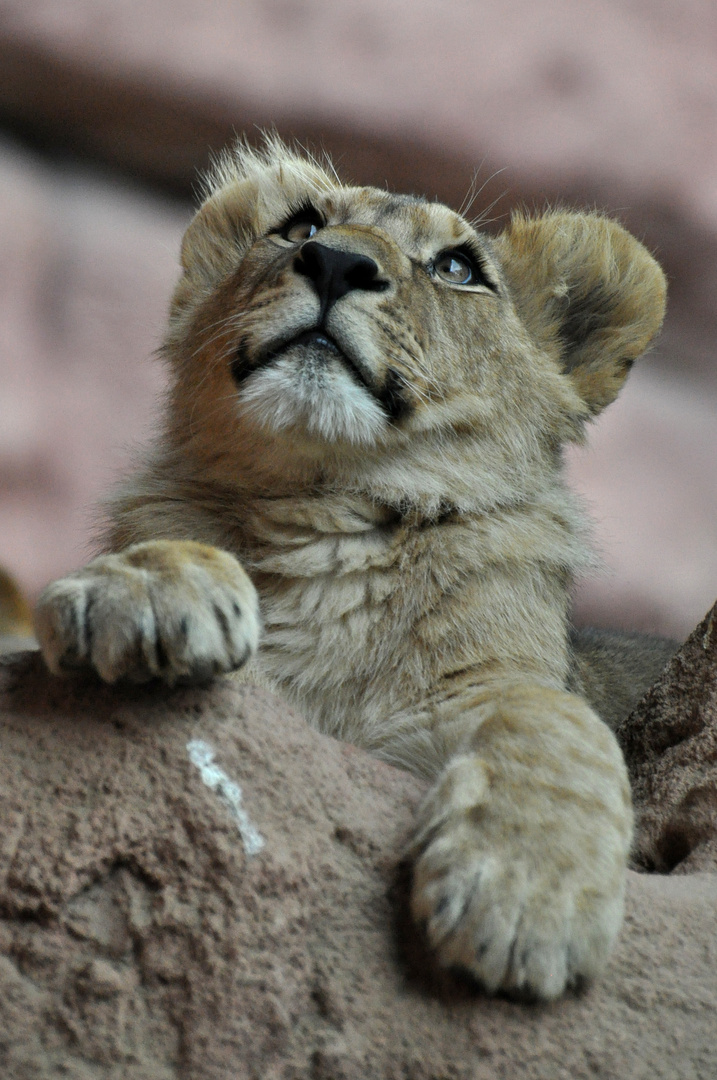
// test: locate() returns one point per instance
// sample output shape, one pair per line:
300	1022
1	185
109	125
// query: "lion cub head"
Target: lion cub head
344	330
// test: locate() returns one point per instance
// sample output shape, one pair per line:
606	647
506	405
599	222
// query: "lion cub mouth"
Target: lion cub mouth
308	382
316	339
320	347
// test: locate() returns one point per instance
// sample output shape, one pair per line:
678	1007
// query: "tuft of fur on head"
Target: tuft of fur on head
244	162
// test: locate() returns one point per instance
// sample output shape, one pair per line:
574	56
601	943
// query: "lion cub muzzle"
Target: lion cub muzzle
327	374
335	273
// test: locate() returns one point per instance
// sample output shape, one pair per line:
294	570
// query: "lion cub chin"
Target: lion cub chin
362	442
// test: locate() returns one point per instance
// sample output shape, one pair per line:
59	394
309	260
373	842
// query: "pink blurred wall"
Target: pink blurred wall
607	103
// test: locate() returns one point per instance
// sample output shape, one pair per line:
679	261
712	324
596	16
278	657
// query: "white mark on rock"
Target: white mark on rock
201	754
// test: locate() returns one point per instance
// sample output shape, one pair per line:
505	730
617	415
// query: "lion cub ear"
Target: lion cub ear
586	290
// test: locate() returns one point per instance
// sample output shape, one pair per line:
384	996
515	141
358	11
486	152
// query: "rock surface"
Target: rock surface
670	743
197	886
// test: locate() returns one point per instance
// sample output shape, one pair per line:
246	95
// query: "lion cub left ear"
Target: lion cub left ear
587	290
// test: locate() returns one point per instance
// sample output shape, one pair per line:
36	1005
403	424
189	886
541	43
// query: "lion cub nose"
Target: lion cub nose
335	273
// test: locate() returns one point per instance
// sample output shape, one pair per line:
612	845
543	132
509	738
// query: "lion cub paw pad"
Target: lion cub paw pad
521	913
170	610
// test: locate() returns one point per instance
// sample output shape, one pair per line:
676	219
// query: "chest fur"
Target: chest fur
363	625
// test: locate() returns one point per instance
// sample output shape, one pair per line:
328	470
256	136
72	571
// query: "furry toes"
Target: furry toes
178	611
526	906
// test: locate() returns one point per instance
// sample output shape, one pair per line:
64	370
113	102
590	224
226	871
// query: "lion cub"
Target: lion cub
357	495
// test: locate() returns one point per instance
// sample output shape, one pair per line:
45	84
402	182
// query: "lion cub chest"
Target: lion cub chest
348	615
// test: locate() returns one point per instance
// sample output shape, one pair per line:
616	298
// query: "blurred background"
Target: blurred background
108	109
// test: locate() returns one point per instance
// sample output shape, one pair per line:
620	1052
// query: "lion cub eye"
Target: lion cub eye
458	268
301	226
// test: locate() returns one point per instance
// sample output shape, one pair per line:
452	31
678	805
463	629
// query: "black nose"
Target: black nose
335	273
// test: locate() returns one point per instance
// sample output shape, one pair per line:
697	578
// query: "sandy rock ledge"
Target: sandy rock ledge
196	886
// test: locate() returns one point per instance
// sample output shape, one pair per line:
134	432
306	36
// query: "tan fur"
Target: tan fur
15	613
397	499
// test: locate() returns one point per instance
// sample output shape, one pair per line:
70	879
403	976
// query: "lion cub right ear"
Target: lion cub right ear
219	233
587	291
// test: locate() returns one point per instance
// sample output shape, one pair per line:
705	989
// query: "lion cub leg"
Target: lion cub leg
174	610
522	844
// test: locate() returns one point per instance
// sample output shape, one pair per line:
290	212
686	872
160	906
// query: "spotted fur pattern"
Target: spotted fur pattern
369	397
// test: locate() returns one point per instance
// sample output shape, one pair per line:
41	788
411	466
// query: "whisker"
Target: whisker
482	219
217	361
476	193
211	413
470	195
236	319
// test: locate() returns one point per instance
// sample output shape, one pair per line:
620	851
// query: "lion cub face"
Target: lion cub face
339	323
330	344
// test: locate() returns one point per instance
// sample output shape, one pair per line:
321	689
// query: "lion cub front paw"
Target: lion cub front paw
174	610
525	899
